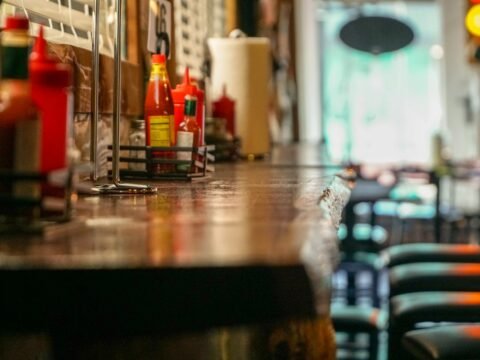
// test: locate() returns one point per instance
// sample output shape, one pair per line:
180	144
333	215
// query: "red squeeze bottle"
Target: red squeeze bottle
179	94
51	83
224	108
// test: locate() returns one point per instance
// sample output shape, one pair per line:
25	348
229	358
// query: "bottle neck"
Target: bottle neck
190	109
16	38
159	72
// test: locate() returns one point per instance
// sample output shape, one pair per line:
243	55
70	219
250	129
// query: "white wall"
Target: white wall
461	80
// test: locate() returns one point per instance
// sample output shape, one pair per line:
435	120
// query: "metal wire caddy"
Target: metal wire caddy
201	163
52	205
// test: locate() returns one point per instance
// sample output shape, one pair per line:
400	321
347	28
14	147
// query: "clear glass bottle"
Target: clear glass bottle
137	138
188	134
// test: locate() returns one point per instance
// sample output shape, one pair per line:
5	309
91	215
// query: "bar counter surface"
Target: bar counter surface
254	244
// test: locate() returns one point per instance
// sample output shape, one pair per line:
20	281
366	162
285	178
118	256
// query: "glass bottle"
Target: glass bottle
159	114
137	138
179	93
188	134
20	127
15	100
15	48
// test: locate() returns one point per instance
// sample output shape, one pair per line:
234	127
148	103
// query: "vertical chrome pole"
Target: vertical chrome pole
95	89
117	96
117	187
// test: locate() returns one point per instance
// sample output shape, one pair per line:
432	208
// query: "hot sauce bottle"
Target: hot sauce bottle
51	83
224	108
15	48
179	93
15	102
159	114
20	127
188	134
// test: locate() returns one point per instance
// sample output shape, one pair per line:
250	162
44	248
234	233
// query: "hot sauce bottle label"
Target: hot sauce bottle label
184	139
160	130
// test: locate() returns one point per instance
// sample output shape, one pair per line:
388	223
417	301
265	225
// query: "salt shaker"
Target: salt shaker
137	138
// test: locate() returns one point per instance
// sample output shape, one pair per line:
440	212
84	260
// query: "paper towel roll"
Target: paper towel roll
244	66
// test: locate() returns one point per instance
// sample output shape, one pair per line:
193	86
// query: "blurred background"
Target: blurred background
389	107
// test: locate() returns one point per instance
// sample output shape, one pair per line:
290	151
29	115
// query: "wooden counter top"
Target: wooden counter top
253	243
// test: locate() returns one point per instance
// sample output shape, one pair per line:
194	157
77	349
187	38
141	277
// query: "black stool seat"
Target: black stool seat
357	319
417	277
408	310
412	253
453	342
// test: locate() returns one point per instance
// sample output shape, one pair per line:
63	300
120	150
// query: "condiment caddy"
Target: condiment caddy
200	163
35	213
173	131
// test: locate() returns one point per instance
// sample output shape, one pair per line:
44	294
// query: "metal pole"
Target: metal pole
438	216
95	84
117	96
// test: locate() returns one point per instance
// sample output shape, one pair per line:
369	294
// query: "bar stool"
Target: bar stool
356	320
423	215
360	244
421	252
452	342
407	311
358	257
412	271
418	277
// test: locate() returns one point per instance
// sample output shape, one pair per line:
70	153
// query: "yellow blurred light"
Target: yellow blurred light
472	20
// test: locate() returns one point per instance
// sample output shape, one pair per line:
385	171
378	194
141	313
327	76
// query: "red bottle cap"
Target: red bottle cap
16	23
159	59
183	89
40	50
224	99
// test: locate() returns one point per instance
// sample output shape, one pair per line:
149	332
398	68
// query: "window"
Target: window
382	108
67	21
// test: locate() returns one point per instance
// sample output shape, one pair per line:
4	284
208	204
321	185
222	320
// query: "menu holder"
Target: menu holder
145	159
32	202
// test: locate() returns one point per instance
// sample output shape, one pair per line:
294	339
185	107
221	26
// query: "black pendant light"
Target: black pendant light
376	34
